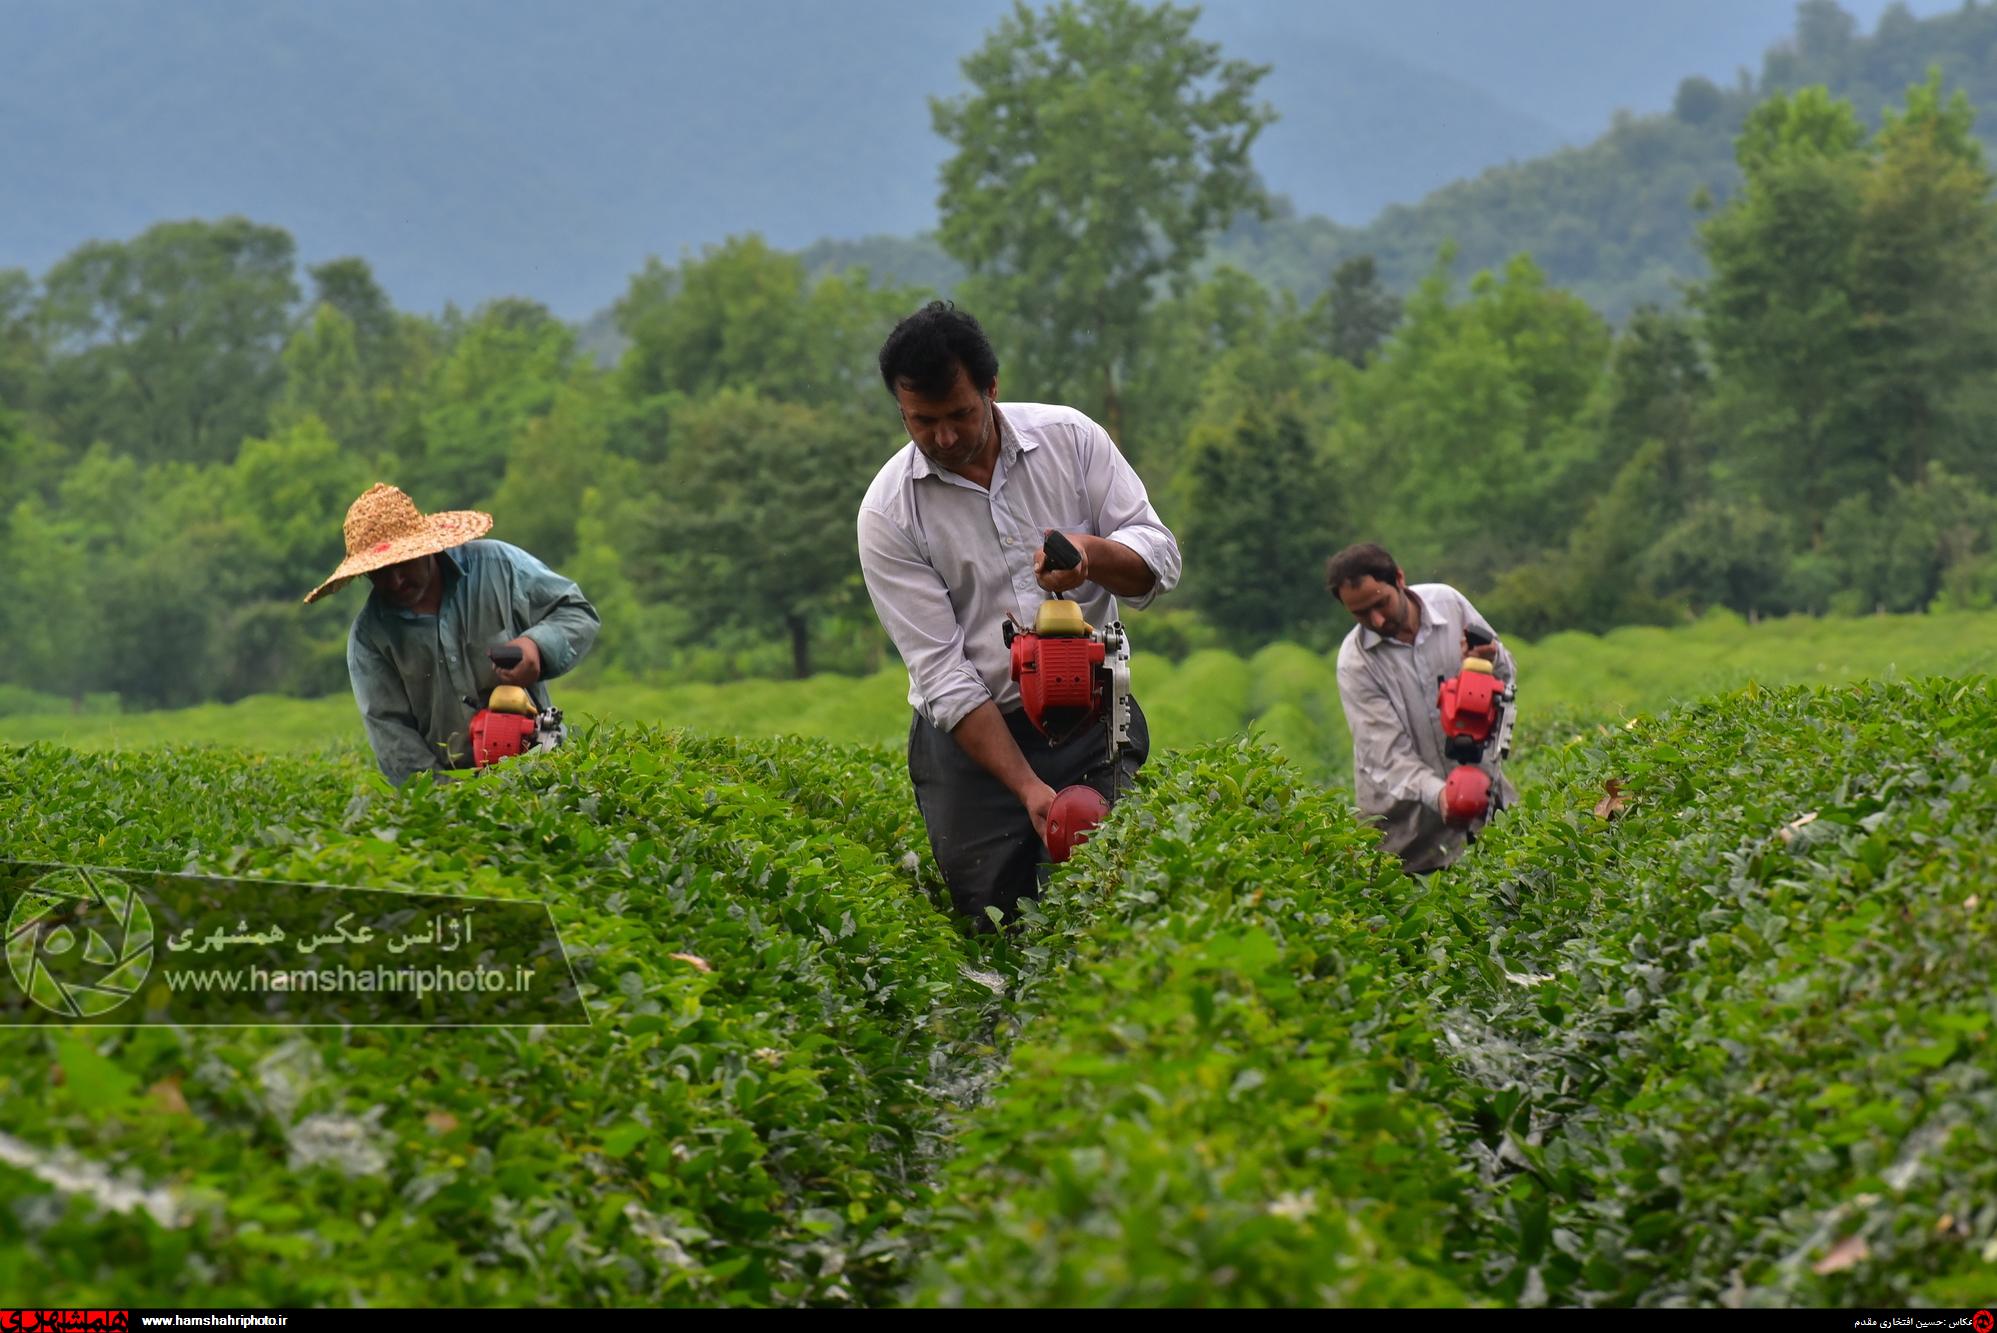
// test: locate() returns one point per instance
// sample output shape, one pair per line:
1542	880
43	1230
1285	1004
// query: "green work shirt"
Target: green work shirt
419	678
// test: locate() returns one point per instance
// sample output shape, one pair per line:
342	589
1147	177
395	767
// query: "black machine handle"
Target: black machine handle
1476	638
1061	553
506	655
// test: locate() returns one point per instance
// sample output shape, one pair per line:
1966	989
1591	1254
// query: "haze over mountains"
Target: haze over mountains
476	149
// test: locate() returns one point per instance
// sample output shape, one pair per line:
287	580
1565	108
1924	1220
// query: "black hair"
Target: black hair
925	350
1366	560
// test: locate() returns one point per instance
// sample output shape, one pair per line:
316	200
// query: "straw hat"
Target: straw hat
384	528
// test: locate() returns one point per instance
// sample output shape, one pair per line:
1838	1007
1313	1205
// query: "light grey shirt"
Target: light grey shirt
1389	692
945	559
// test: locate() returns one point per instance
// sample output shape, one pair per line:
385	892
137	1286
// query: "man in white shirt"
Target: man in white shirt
1407	640
950	538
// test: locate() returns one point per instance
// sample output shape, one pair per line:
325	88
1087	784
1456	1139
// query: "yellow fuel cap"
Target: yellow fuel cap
511	699
1059	618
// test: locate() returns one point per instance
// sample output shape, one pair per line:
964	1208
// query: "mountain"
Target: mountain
474	149
1615	219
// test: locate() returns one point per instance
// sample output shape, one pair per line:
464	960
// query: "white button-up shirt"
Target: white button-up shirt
1389	692
945	559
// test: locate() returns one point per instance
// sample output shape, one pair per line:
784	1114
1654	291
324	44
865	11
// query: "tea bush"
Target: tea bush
748	1129
1726	1041
1219	1095
1705	1020
1733	1044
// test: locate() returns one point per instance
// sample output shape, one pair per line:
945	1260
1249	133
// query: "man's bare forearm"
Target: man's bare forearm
1116	567
984	736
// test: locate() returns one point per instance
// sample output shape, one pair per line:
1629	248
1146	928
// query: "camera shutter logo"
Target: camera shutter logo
79	944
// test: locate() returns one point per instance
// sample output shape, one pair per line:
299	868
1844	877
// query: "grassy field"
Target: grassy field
1287	693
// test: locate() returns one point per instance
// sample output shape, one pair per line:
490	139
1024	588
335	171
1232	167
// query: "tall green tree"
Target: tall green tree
1925	281
142	563
29	463
554	459
1357	313
1778	311
1659	384
1898	550
1100	148
290	493
348	286
167	346
754	523
323	380
1602	578
57	557
21	358
1208	355
1266	517
1467	442
1648	470
639	637
1728	550
1850	305
505	369
286	498
359	365
744	316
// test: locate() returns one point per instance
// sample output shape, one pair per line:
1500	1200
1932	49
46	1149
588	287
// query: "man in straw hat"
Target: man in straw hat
417	653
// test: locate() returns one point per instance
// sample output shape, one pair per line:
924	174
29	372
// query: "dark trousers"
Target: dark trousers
982	836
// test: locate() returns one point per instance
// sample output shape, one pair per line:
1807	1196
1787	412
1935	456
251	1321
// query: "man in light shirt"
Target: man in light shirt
1406	641
950	542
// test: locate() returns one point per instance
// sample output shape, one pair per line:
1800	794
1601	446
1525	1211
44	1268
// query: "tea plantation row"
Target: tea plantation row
1722	1037
746	1122
1694	1048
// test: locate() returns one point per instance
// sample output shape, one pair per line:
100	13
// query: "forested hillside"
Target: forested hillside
1616	220
482	148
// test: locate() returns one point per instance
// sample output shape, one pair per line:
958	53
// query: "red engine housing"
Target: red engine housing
1470	708
1058	682
1472	704
497	736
